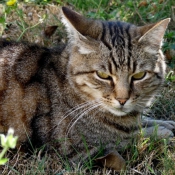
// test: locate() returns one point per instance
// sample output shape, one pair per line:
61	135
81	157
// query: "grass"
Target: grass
30	22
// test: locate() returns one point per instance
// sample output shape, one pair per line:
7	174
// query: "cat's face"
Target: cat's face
119	89
120	70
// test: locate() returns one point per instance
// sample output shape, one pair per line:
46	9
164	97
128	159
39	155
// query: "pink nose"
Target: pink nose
122	101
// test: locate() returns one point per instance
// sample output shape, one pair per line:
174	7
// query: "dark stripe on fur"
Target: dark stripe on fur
81	73
113	60
110	67
36	139
120	127
158	76
4	43
103	37
120	34
113	33
134	66
129	46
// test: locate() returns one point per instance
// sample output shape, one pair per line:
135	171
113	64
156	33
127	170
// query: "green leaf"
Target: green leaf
130	3
3	161
172	46
2	20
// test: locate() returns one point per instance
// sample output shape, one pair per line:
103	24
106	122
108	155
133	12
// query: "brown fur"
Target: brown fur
43	90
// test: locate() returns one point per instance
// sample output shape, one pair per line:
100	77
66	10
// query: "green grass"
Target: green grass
144	156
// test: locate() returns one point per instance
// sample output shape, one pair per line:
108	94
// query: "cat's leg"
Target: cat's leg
112	160
162	129
108	157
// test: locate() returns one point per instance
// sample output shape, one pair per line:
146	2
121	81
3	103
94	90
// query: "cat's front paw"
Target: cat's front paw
112	160
168	124
158	131
159	128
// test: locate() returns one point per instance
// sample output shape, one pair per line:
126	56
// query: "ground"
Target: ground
36	23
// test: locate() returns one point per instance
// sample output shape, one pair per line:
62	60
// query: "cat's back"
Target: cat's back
23	93
21	59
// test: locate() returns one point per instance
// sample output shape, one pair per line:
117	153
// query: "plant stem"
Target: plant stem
3	152
27	29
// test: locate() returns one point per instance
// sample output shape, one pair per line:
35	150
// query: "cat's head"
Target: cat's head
116	64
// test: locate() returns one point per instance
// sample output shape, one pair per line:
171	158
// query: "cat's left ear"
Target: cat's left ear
81	29
152	35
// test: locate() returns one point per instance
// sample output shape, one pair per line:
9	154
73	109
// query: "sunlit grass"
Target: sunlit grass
20	22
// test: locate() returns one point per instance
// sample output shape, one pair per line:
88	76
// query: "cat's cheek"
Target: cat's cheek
138	87
91	93
87	89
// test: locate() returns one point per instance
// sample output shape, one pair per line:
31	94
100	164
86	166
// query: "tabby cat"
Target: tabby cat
89	92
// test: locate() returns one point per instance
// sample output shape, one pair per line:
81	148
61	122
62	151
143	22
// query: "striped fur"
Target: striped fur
52	94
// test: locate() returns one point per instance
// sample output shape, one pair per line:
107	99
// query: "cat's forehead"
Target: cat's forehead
117	38
115	34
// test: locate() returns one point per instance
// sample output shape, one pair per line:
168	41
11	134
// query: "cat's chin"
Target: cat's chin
118	112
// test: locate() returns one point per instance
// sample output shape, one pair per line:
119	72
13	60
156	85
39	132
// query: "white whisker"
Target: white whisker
72	110
140	105
85	112
79	113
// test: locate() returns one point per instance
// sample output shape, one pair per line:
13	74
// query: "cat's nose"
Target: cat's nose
122	101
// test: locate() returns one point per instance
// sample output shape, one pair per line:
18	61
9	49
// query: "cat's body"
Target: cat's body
90	91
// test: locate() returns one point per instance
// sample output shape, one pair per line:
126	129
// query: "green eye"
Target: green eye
102	75
139	76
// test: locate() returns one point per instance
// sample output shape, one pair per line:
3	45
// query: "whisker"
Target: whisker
156	95
144	99
140	105
72	110
89	103
75	107
69	112
79	113
85	112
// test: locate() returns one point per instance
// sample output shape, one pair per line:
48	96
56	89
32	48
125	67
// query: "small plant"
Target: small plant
7	142
170	77
148	156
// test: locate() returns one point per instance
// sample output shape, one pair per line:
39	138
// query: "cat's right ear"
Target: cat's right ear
80	29
152	35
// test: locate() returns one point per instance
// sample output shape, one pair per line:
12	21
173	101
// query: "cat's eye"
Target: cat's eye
103	75
139	76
